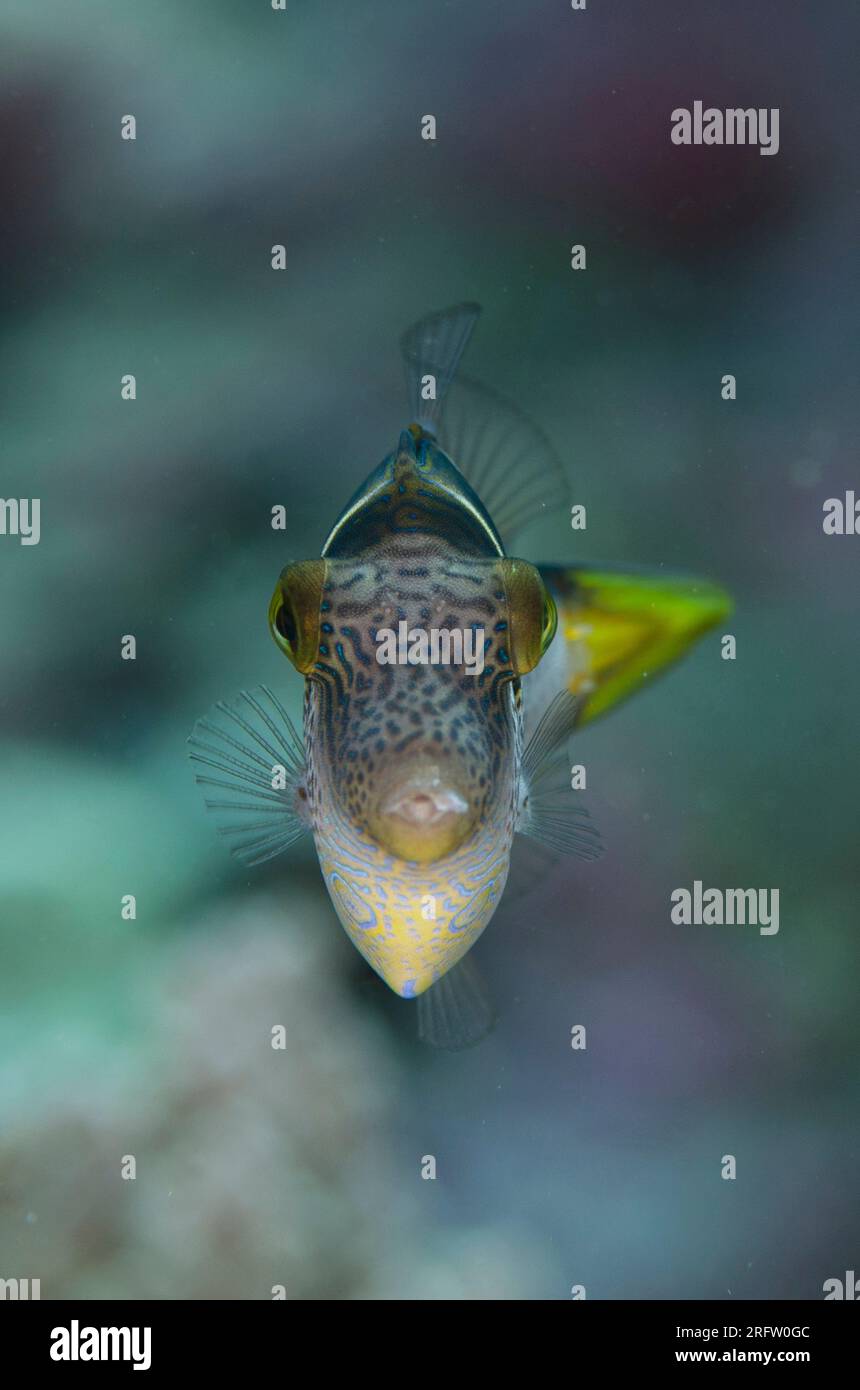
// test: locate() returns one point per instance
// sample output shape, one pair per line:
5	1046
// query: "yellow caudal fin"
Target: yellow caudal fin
621	628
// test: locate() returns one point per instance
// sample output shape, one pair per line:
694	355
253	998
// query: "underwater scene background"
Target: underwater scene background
152	1037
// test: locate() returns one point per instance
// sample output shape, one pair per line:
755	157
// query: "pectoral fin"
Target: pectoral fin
622	627
260	796
547	811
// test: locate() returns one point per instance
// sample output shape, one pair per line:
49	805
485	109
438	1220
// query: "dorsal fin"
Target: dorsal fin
431	350
492	471
508	459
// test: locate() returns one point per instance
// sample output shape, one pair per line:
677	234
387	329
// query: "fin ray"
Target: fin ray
456	1012
433	347
507	459
548	812
278	822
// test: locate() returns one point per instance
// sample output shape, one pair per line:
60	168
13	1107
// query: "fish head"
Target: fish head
412	631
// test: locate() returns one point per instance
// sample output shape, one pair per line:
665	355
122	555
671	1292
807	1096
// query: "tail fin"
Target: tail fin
433	348
621	628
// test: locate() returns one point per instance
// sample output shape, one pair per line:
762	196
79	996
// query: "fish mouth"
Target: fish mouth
421	805
423	816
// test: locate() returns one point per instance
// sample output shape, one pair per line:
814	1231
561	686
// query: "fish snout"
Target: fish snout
422	816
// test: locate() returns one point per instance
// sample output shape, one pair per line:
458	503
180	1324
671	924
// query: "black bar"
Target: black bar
209	1338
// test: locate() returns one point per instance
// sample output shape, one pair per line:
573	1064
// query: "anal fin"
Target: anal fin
456	1012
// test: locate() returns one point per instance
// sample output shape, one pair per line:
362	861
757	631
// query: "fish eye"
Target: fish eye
550	620
294	612
282	622
286	625
532	614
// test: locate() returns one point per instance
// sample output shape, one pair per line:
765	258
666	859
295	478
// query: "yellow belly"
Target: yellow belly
413	922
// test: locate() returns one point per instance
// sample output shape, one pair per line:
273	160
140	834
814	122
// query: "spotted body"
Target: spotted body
414	776
417	549
412	921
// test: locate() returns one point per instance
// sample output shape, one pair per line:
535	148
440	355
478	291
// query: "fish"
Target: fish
413	775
